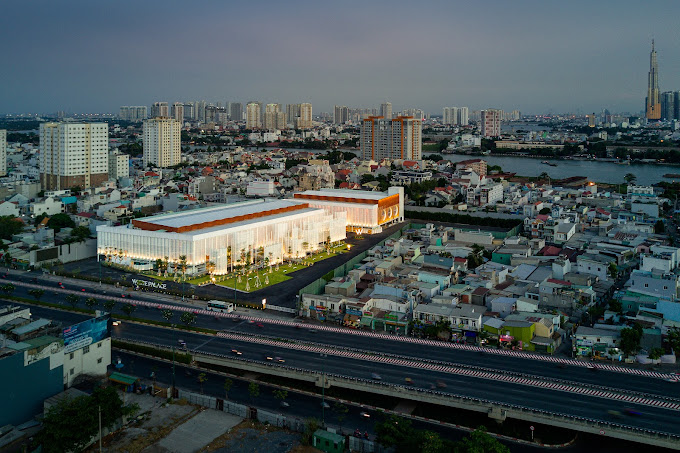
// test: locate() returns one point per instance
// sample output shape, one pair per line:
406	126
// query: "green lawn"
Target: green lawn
273	278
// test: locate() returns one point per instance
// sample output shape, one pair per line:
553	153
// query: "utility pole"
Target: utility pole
100	428
323	389
173	359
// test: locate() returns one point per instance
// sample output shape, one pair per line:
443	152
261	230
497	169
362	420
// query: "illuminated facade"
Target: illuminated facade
652	104
222	235
367	212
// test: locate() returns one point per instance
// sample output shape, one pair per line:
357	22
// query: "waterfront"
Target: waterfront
598	171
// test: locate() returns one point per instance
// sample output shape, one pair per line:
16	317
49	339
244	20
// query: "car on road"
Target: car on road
325	405
441	384
236	319
409	381
673	380
376	376
115	322
365	414
236	352
268	358
631	411
591	367
312	330
284	404
182	344
279	360
260	325
615	414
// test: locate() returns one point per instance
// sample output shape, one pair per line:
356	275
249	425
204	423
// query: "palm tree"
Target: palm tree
229	263
167	314
183	266
201	379
188	318
128	309
227	386
305	246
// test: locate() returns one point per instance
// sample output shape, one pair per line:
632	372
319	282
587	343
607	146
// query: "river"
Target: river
597	171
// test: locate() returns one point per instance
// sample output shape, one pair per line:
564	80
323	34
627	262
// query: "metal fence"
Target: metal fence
283	309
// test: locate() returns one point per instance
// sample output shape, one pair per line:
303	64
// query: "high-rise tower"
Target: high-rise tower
653	106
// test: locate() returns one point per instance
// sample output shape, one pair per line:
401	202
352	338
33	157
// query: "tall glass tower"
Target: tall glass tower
653	106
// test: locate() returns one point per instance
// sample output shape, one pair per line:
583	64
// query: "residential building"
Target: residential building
236	111
73	155
162	142
133	113
386	110
463	116
398	138
254	115
340	114
260	188
119	165
491	123
178	111
655	283
274	118
160	109
305	117
479	166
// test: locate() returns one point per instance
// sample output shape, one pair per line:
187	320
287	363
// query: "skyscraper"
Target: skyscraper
236	111
491	123
668	105
463	116
253	115
134	113
653	106
3	152
305	120
450	115
162	142
340	114
73	154
398	138
178	111
386	110
160	109
274	118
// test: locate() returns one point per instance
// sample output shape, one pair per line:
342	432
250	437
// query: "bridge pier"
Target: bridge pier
322	381
498	414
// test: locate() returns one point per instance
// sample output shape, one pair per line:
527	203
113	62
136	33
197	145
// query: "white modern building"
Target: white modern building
275	229
73	154
162	142
397	138
3	152
260	188
133	113
366	212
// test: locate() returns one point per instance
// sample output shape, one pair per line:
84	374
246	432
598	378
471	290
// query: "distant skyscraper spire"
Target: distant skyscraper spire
653	106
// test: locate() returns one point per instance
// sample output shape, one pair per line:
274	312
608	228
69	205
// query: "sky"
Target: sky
536	56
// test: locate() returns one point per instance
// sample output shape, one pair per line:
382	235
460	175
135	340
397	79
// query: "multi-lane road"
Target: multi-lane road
653	417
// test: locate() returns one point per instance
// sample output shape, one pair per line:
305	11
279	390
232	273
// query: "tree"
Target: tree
544	175
7	288
72	299
36	293
656	353
201	379
659	227
630	178
71	424
80	233
613	270
253	390
187	318
280	395
630	339
128	309
59	221
615	305
167	314
90	302
227	386
340	413
9	226
109	304
479	441
673	339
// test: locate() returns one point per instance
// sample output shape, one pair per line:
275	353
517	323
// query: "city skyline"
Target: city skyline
538	59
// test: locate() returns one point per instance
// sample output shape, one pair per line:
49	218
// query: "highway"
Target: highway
350	339
652	418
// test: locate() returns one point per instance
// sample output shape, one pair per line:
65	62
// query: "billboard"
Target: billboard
85	333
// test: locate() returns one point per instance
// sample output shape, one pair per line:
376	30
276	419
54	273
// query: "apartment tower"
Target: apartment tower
73	154
398	138
491	122
162	142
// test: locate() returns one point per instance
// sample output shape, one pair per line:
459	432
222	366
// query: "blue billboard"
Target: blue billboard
86	333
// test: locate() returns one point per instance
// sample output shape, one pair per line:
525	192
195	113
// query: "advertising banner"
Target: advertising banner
85	333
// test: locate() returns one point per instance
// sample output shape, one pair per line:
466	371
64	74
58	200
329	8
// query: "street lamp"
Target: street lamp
323	389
